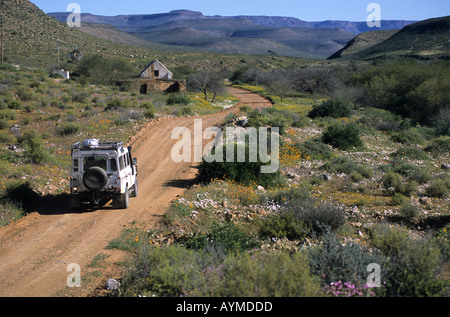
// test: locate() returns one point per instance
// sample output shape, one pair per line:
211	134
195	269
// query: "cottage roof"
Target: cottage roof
155	62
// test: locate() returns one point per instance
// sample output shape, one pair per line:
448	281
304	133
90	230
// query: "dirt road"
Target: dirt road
36	250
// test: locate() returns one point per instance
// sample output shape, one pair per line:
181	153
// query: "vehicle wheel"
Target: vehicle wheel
122	201
135	189
125	200
75	203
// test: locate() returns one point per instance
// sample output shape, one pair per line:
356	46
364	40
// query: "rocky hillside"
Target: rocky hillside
38	38
363	41
428	39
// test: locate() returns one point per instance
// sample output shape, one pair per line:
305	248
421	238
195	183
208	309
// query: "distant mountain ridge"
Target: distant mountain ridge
286	36
145	20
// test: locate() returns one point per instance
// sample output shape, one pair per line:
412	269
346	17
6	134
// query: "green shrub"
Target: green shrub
178	99
317	215
439	146
80	97
413	172
393	183
442	238
269	117
408	211
356	177
6	138
398	199
381	120
343	136
331	108
14	104
34	147
115	104
25	94
68	129
347	166
229	237
149	113
283	225
316	149
8	115
167	271
148	106
278	122
246	109
5	168
4	124
408	137
420	176
290	194
175	271
392	180
336	261
413	266
300	122
102	70
186	111
270	275
410	152
247	173
438	188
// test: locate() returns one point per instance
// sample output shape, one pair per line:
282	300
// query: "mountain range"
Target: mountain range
184	29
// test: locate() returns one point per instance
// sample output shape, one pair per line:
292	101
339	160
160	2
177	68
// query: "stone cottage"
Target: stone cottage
155	77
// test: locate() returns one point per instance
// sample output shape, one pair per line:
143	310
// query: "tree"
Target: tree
104	71
278	83
206	81
314	80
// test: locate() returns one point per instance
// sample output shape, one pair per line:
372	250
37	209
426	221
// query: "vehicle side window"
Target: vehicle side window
75	165
113	164
127	163
121	162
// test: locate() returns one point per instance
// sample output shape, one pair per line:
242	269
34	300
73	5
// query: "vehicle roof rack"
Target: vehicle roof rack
89	146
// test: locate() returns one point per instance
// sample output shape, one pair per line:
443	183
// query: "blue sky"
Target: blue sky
308	10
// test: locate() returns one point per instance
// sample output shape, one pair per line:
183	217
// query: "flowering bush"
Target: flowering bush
347	289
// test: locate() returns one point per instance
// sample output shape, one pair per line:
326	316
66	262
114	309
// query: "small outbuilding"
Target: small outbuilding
155	77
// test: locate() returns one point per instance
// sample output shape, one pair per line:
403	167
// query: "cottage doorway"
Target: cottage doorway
144	89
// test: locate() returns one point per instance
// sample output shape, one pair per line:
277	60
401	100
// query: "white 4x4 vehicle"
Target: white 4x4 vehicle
101	172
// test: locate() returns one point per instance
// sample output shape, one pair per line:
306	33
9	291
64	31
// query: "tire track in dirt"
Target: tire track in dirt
35	250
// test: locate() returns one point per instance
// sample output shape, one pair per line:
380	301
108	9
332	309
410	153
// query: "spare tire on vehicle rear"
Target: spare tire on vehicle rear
95	178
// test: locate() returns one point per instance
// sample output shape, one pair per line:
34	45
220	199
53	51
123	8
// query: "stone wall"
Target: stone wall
145	85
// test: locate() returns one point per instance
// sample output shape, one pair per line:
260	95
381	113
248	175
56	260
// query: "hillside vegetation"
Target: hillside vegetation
363	41
360	182
428	39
